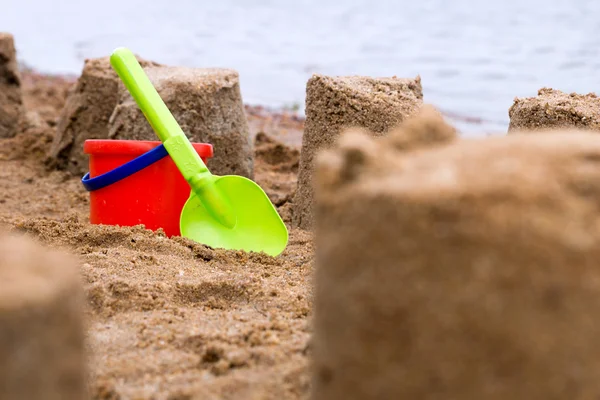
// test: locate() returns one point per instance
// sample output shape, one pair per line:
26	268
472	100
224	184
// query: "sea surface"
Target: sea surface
473	56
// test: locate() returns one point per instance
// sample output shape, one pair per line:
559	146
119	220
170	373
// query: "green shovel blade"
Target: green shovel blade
230	212
258	226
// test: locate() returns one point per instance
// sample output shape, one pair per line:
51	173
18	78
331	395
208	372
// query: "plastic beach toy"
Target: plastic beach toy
122	182
229	211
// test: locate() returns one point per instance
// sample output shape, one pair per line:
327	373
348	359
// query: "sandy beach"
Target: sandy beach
169	318
422	263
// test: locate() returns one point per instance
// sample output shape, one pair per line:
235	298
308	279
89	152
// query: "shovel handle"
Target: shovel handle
158	115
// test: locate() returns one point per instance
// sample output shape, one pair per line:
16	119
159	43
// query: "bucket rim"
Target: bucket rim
134	147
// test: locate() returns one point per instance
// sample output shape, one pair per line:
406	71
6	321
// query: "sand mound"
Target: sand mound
172	317
336	103
277	165
86	114
41	323
463	271
281	157
43	98
553	109
207	104
10	87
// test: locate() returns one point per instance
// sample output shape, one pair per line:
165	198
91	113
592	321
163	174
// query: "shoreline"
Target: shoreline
274	119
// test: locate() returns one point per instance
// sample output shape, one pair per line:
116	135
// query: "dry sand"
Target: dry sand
337	103
457	269
86	113
10	87
42	333
553	110
168	318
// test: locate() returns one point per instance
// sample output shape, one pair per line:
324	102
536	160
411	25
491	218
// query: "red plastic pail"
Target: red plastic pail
153	196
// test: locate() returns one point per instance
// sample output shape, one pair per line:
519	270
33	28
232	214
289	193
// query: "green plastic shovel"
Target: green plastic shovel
230	212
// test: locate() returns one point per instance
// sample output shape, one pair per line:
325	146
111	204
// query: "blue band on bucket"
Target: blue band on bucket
125	170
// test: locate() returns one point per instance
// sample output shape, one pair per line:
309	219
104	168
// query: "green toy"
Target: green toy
230	212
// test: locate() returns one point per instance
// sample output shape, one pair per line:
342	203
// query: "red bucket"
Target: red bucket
152	196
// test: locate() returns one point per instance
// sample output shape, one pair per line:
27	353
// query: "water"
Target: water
473	56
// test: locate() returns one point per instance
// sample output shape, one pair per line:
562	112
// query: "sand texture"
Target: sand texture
41	323
10	87
464	270
555	110
86	114
169	318
336	103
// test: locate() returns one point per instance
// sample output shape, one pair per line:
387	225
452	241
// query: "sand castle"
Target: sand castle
553	109
336	103
41	324
445	268
10	87
101	108
86	114
464	270
207	104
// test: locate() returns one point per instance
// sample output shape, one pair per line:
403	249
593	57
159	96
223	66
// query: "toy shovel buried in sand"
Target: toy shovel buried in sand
230	212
